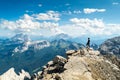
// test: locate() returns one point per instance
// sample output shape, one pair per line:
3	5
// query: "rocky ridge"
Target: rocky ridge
80	64
111	46
11	75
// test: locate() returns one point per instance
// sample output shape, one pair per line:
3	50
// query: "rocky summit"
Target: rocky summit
80	64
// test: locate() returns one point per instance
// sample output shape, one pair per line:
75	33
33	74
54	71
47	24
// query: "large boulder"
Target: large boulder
51	69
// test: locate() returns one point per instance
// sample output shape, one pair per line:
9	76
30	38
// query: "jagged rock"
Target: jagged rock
44	67
50	63
75	52
94	52
56	65
51	69
70	52
11	75
57	77
82	52
82	64
59	60
113	59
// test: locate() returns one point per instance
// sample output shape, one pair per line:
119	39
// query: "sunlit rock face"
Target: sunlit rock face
11	75
80	64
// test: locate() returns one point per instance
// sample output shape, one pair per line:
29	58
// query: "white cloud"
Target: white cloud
57	30
92	10
27	24
90	27
115	3
24	24
72	30
42	23
87	22
113	28
45	24
50	15
40	5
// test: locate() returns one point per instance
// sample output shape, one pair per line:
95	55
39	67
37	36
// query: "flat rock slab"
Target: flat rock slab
70	52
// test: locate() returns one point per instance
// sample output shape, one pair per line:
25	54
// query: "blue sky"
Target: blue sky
49	17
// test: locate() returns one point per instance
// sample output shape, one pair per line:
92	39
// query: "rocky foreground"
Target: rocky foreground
81	65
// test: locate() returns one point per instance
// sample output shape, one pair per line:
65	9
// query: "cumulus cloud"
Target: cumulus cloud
87	22
90	27
27	24
50	15
47	24
113	28
92	10
72	30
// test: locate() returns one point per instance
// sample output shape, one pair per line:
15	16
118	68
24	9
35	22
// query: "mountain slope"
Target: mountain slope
31	55
80	65
61	36
61	43
111	46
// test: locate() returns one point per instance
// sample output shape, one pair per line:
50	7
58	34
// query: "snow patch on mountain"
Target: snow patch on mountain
21	37
11	75
40	44
34	44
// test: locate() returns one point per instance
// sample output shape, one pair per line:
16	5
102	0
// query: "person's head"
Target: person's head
88	38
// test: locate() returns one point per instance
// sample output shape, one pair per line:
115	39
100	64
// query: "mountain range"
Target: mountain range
21	52
79	64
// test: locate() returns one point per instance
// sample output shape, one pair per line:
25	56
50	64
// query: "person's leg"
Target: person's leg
87	47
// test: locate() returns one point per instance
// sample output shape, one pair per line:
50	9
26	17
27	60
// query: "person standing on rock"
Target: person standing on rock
88	44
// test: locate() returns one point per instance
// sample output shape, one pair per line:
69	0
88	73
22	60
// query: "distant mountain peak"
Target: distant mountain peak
21	37
61	36
11	75
35	44
111	46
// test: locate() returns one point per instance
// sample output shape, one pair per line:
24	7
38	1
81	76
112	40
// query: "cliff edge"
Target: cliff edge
80	64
